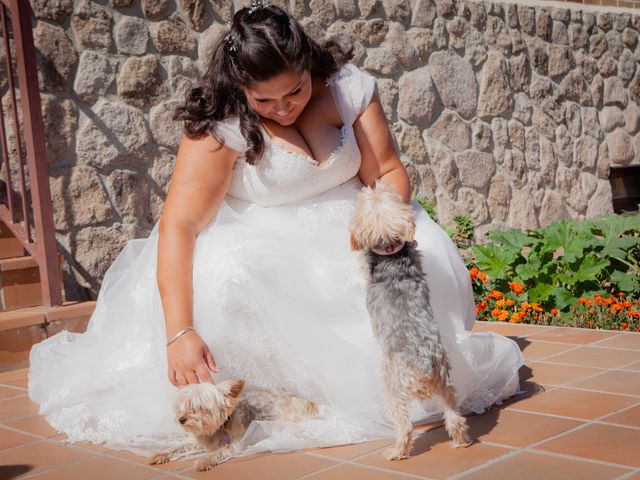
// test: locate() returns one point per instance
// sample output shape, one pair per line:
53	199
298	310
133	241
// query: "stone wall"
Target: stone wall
509	113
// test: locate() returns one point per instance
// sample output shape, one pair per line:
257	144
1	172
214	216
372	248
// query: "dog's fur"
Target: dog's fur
414	363
218	416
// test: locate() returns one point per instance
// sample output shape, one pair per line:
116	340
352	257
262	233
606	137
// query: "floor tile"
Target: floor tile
573	403
599	442
551	374
20	382
172	466
98	468
41	456
578	336
509	329
9	439
13	375
356	472
433	457
596	357
634	366
615	381
623	340
7	392
94	447
532	466
17	407
265	467
631	417
516	429
36	425
534	350
347	452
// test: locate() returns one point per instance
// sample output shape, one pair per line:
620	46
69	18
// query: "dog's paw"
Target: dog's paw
159	459
204	465
394	454
461	443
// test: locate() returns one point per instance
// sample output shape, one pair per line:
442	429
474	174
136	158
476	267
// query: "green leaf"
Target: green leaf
493	260
567	239
564	298
625	282
531	269
590	267
512	240
540	292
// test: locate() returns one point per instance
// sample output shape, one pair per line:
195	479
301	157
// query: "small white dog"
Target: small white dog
414	363
219	415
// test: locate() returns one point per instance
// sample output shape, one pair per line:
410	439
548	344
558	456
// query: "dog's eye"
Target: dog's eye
182	420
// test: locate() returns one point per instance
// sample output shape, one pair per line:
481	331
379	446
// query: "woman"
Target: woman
252	263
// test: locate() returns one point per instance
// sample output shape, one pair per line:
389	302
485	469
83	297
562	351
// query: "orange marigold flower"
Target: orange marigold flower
609	300
496	312
513	321
516	287
554	311
520	314
633	313
473	272
624	324
509	302
501	303
627	304
515	316
592	311
535	318
582	301
495	294
483	277
589	302
622	294
590	323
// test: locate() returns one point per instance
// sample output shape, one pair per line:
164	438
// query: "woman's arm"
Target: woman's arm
199	183
379	156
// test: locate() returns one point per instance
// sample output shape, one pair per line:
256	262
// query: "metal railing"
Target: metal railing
31	218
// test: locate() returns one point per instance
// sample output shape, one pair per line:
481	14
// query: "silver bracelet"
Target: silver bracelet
179	334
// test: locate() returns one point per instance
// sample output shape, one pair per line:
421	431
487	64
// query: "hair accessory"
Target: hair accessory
230	39
256	4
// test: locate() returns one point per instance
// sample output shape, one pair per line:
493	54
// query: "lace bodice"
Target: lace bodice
281	176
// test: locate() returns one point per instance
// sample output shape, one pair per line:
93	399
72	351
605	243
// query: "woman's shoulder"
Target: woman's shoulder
228	130
353	89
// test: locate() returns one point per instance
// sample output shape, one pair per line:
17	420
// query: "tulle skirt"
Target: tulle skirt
280	300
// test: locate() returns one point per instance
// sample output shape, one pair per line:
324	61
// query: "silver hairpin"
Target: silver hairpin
256	4
230	39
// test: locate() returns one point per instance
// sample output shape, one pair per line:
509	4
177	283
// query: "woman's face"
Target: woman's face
281	98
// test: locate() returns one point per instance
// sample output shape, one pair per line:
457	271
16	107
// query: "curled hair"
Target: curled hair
261	44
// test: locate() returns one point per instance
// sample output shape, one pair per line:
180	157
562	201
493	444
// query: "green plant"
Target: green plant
566	260
428	206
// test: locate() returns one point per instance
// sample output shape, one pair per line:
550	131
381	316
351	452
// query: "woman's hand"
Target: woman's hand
189	360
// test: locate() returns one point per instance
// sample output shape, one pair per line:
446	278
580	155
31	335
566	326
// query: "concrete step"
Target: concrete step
23	328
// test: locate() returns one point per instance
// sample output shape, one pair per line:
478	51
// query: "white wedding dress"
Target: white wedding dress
279	299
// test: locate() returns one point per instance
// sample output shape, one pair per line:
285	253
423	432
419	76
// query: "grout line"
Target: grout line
353	461
532	448
627	474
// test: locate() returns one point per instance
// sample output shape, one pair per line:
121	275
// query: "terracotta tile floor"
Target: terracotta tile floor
577	418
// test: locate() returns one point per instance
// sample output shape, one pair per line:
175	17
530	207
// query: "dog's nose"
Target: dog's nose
182	420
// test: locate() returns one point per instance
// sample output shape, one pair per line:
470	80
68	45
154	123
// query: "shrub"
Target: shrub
568	260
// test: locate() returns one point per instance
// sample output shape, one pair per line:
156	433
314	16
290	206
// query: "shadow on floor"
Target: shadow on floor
7	472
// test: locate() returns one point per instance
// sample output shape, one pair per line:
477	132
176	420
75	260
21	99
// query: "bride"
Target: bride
248	273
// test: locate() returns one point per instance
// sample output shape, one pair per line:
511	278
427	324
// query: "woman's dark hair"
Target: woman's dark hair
263	42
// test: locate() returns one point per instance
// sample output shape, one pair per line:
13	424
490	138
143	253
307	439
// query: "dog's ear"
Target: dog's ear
236	388
354	243
411	231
